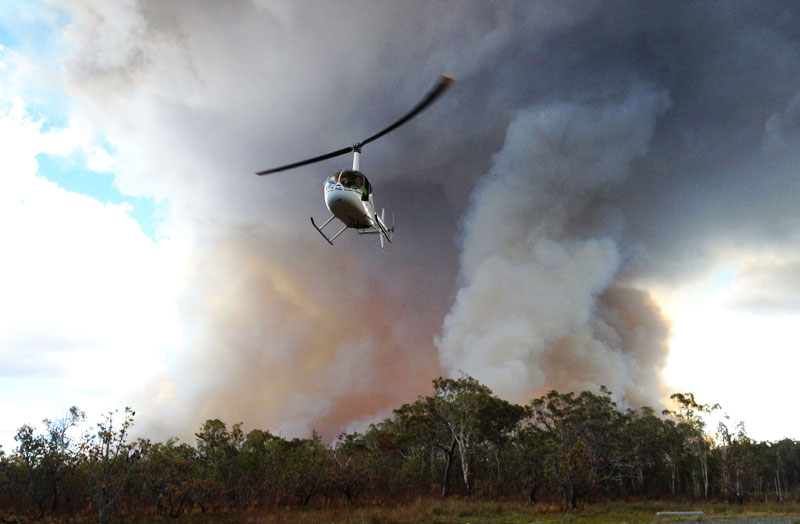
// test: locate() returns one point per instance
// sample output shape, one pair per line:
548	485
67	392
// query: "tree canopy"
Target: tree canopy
567	449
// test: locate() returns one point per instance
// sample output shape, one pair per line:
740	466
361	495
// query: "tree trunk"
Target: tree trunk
54	507
704	468
102	514
463	451
465	472
672	477
640	476
447	468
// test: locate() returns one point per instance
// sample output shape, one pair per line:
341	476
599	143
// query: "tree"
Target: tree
46	457
110	460
527	455
476	420
691	432
170	474
260	464
569	447
307	468
783	461
736	448
351	462
646	437
61	453
218	452
416	426
396	450
586	435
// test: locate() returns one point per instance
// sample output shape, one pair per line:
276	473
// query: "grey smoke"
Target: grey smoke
588	148
534	311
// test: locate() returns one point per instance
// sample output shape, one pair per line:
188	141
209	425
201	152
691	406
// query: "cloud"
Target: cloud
281	330
88	306
582	186
782	129
108	43
767	284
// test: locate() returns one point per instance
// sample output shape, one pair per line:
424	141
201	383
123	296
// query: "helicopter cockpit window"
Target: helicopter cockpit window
352	180
334	178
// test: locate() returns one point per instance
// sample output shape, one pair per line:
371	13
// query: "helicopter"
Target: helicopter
348	193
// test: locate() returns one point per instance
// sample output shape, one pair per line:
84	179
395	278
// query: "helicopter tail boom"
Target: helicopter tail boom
384	230
379	228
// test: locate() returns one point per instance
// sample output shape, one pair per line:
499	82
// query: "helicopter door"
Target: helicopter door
367	190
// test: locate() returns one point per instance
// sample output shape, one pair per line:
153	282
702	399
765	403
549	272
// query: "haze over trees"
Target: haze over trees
561	449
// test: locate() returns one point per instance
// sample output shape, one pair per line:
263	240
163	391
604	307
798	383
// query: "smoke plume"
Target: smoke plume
591	151
271	347
540	304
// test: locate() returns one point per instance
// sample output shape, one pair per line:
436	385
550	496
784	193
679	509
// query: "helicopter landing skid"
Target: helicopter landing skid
329	240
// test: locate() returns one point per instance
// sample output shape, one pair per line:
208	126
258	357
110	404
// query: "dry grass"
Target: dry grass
461	511
465	511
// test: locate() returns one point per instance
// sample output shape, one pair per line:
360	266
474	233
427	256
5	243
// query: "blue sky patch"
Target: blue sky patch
70	173
30	25
30	29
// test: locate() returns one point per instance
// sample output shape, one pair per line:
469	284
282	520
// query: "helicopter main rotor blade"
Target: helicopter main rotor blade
443	83
309	161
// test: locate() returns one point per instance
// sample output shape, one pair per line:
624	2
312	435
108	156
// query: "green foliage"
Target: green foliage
44	462
563	452
169	476
585	436
466	414
110	459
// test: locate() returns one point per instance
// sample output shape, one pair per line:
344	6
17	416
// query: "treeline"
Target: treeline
561	449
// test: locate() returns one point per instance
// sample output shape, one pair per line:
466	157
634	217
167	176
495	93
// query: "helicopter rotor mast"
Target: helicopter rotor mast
441	85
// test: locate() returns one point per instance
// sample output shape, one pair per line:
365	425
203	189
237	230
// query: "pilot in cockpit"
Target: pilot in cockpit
358	184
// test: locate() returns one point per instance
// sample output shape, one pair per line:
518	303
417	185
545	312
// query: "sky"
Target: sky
606	195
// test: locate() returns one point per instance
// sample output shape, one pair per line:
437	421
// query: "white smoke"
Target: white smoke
540	305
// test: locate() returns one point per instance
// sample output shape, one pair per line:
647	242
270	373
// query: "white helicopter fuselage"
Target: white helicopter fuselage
349	206
348	196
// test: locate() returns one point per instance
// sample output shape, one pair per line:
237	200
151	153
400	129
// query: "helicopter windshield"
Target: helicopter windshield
355	180
352	179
